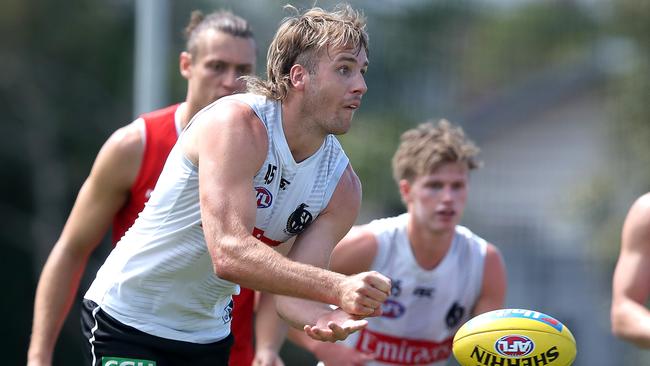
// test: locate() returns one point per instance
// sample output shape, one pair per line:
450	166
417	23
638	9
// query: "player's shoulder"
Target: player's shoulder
118	161
391	223
238	103
493	254
361	235
469	236
127	141
636	228
226	127
639	214
472	239
642	205
349	185
232	113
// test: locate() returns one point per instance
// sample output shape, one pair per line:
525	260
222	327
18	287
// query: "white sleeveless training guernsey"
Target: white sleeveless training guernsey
159	278
425	307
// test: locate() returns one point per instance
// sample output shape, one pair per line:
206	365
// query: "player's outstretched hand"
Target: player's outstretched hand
334	326
362	294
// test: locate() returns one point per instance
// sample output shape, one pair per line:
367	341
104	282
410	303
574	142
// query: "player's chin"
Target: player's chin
445	222
444	227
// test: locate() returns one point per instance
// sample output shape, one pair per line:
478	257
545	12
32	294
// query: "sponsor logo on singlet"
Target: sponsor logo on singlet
264	197
402	351
514	345
119	361
423	292
392	309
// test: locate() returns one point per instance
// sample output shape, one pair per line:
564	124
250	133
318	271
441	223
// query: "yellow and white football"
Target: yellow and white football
514	337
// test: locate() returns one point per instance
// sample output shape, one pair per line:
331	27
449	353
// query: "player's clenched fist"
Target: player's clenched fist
362	294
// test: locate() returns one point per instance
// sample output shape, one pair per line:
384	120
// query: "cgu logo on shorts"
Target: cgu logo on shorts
514	345
118	361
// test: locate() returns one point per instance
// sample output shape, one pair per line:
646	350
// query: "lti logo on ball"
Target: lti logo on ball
514	346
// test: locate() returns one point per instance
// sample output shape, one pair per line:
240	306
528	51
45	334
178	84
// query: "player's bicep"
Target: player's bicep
633	268
631	276
231	149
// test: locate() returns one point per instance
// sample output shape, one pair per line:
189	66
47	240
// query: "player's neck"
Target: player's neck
429	248
185	113
303	139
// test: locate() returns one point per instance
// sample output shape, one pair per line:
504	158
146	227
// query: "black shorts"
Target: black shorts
111	343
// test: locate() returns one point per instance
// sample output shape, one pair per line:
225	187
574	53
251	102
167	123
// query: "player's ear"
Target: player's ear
298	76
184	64
404	189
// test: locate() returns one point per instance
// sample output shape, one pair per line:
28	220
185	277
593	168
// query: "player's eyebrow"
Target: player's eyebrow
348	58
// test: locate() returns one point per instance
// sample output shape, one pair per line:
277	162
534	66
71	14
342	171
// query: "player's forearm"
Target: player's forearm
254	265
299	312
631	321
270	330
55	292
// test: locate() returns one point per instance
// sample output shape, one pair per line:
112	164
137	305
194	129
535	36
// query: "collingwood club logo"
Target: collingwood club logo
299	220
454	315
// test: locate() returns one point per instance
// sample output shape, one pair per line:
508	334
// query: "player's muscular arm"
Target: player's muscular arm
355	253
361	293
270	332
101	196
493	289
631	283
231	149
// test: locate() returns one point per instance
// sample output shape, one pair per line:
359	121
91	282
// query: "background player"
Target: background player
220	48
631	285
442	273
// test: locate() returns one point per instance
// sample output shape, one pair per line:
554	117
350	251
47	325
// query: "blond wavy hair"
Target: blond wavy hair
300	39
426	147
